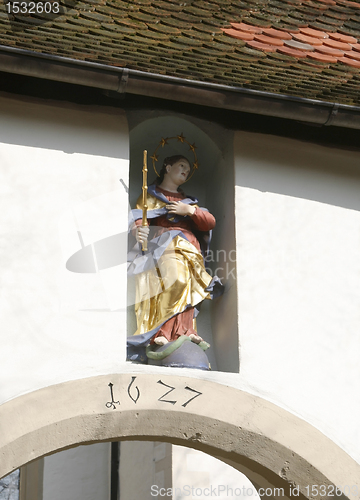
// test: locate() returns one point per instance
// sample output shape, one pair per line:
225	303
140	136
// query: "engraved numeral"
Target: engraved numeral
112	403
198	393
171	389
137	389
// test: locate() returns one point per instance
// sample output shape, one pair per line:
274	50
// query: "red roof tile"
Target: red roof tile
322	57
314	33
328	2
342	38
352	55
246	27
350	62
292	52
270	40
277	33
242	35
329	51
261	46
307	39
337	45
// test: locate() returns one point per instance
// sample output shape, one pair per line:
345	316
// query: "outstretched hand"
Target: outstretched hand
180	208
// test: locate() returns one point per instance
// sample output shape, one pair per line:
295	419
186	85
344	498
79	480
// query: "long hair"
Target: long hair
170	160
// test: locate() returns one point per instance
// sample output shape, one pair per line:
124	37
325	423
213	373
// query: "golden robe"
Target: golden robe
167	293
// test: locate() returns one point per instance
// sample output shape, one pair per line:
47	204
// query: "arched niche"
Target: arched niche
213	185
251	434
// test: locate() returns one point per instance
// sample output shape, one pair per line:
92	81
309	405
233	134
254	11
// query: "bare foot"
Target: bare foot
161	340
195	338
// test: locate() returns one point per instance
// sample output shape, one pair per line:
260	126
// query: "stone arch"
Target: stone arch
251	434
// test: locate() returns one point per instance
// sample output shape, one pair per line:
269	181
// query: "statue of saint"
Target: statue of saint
170	289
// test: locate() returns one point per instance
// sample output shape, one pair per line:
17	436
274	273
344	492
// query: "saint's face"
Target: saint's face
179	171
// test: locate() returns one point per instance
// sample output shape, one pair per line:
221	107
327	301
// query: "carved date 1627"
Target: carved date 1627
134	394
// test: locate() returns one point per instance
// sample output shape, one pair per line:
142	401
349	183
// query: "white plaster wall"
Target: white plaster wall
199	476
60	171
297	232
82	473
190	474
298	241
136	457
148	460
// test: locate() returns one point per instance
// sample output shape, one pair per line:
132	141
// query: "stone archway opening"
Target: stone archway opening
243	430
165	469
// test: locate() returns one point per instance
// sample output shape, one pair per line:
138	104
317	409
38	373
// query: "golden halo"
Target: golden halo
180	138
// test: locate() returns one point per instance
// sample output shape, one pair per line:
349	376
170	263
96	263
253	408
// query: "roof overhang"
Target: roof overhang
124	80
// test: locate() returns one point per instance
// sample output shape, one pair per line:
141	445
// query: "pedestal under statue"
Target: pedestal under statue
180	353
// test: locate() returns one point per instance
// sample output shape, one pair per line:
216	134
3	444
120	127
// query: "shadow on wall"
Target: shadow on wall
302	170
63	127
108	251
